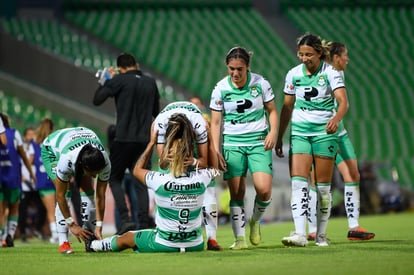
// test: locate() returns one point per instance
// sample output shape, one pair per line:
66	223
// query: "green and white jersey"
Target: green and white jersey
186	108
179	204
315	102
66	145
341	127
244	116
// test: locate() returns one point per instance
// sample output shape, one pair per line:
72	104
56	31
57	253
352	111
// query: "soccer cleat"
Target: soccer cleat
255	235
9	241
360	234
89	240
295	240
213	245
88	244
322	240
65	248
239	244
311	236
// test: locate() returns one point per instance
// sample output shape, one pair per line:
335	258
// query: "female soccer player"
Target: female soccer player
79	153
202	159
178	196
311	89
346	162
244	103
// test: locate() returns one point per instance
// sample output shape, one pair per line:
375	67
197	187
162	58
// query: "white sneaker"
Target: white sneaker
322	240
295	240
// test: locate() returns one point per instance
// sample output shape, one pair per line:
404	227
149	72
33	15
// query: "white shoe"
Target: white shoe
321	240
295	240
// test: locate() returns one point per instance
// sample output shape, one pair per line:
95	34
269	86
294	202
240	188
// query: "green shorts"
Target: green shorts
11	195
346	150
239	158
145	243
50	161
45	192
326	145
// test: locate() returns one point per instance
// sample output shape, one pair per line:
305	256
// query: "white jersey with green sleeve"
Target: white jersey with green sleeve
244	115
179	204
186	108
66	145
315	102
341	127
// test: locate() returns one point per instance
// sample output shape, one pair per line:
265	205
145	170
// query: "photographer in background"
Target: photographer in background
137	103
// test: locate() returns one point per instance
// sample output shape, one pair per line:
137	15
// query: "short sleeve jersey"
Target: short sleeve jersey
2	129
244	117
179	204
29	150
66	145
341	127
188	109
10	163
315	102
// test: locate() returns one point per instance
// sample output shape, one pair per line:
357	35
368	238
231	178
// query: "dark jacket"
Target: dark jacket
137	102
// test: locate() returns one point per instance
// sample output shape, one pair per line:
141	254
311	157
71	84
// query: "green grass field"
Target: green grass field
390	252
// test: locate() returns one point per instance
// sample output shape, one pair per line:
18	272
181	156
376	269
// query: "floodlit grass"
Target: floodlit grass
391	252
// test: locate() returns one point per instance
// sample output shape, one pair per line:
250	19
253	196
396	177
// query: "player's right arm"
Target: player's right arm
139	170
215	131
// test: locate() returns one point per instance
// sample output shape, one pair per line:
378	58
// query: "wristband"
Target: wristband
195	162
99	223
69	221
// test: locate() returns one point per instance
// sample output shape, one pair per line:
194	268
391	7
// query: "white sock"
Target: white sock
299	204
313	200
259	208
210	220
61	227
12	226
352	203
324	206
88	210
210	211
238	220
53	231
104	245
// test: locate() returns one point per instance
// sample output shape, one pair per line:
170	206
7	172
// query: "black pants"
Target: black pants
31	199
124	155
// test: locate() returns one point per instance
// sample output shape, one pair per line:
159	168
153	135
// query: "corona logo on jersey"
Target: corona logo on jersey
173	186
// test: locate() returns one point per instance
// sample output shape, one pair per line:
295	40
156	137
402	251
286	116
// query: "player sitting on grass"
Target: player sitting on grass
178	196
